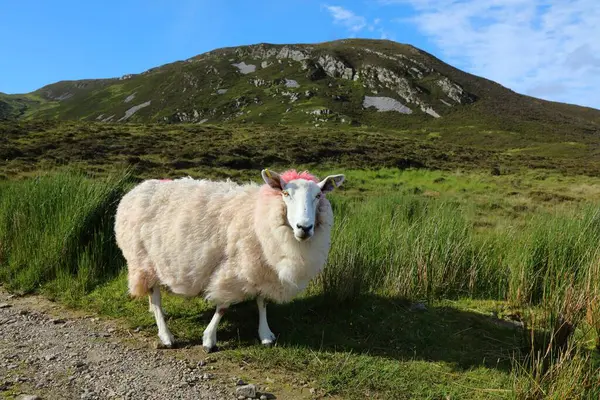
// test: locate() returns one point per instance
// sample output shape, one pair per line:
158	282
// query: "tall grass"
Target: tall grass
408	246
56	234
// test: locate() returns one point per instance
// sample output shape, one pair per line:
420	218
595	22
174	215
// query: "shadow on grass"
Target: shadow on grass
374	325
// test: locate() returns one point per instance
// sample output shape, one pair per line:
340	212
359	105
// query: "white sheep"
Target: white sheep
229	242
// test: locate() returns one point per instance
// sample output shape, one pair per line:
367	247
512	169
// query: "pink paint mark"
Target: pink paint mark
292	174
222	310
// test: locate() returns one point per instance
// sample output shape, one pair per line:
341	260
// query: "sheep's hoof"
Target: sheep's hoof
267	339
160	345
211	349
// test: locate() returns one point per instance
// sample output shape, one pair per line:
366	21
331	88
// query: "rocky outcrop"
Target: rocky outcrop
182	116
245	68
133	110
334	67
386	104
291	83
379	78
454	92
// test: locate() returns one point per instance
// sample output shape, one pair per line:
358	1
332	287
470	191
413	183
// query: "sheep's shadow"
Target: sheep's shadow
375	325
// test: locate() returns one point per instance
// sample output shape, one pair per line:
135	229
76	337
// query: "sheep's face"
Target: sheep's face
301	198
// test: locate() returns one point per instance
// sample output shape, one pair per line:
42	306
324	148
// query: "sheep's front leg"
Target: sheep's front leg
264	332
155	305
209	339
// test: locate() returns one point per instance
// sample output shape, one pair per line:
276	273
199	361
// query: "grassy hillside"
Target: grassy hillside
322	84
13	107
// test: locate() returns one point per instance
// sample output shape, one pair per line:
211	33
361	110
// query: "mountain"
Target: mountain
376	83
15	106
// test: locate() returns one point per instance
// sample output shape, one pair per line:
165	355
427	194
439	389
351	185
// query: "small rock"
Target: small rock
201	363
23	312
246	391
88	395
29	397
207	376
57	321
418	307
312	390
5	305
50	357
263	397
241	397
111	330
240	382
12	296
138	329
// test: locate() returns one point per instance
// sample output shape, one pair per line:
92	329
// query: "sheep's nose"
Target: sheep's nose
306	229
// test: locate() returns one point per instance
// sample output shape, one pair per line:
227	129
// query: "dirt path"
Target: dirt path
55	353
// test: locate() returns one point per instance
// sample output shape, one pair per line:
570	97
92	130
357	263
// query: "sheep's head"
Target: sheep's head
301	193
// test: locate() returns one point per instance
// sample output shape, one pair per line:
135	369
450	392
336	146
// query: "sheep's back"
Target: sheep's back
180	227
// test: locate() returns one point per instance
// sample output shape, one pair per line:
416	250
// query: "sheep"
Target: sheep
226	241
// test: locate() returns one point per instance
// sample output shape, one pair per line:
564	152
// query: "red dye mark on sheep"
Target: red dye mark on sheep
292	174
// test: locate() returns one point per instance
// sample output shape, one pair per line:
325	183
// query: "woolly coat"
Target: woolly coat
227	241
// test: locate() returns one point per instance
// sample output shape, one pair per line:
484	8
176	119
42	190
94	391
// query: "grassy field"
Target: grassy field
236	150
439	284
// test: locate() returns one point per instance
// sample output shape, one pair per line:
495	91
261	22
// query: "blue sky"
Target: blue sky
544	48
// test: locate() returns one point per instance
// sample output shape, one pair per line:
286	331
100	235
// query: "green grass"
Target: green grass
238	150
57	230
354	331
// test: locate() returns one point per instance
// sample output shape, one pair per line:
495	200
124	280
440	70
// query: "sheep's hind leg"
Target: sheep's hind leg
209	338
164	334
264	332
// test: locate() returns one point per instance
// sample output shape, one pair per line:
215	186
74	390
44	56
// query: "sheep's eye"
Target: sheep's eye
319	195
285	193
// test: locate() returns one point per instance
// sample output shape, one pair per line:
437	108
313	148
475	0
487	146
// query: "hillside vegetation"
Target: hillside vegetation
238	151
332	84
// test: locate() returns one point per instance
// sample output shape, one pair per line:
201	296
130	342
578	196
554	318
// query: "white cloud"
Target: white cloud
342	16
544	48
356	23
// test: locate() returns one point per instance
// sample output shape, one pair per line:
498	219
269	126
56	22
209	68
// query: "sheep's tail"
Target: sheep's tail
141	281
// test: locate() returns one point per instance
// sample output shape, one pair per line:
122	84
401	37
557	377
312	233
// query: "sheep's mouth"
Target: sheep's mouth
302	236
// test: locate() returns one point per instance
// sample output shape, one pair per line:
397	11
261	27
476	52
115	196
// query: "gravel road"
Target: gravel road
82	357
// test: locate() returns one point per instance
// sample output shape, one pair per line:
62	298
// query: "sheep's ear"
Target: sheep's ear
331	182
273	179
